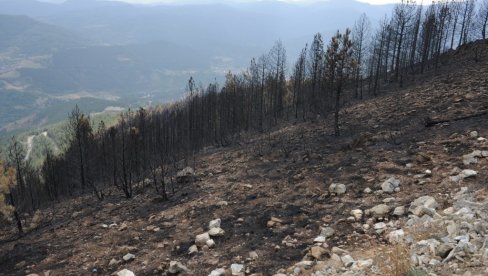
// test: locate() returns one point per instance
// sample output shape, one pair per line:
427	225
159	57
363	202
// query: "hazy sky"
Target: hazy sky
375	2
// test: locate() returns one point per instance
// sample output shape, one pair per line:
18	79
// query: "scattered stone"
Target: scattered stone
319	239
362	264
380	227
327	232
317	252
289	241
472	158
214	224
237	269
113	262
201	240
399	211
448	211
217	272
389	200
380	210
357	214
464	174
127	257
347	260
216	232
368	191
193	249
396	236
125	272
274	222
253	255
473	134
425	201
210	243
390	185
176	267
338	189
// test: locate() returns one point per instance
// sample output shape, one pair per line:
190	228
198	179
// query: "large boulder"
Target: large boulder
423	201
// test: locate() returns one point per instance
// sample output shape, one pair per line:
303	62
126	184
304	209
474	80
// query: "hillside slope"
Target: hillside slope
273	197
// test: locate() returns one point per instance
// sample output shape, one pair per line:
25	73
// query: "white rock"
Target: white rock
327	232
125	272
464	174
399	211
390	185
473	134
210	243
425	201
319	239
380	210
472	158
337	188
214	223
368	190
362	264
201	240
357	214
127	257
216	232
347	260
253	255
193	249
379	227
237	269
469	173
396	236
389	200
217	272
481	139
428	172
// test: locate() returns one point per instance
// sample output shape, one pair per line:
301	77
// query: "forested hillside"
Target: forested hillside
395	102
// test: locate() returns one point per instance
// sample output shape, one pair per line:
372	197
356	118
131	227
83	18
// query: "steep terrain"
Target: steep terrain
278	209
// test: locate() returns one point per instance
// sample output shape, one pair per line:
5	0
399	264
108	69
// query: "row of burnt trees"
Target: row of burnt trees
146	147
415	36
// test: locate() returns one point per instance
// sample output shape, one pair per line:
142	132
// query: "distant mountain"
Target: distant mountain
31	37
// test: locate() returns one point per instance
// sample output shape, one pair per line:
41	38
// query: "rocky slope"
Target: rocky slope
388	196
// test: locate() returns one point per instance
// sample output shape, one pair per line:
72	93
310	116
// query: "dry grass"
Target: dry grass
394	260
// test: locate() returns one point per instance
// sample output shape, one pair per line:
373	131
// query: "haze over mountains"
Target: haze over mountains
100	53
